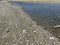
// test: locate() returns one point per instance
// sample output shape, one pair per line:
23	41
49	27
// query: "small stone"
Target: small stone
34	31
5	35
10	23
6	43
13	44
7	31
51	38
27	40
16	25
0	21
15	39
20	38
24	31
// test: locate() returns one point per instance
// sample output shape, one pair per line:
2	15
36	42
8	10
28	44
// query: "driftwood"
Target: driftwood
57	26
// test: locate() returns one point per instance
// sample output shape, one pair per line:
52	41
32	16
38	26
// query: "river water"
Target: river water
46	15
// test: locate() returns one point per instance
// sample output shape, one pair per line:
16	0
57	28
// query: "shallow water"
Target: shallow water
51	11
45	14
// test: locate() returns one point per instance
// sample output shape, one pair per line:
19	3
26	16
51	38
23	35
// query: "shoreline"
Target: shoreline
17	28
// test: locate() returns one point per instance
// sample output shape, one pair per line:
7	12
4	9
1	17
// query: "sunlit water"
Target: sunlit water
45	14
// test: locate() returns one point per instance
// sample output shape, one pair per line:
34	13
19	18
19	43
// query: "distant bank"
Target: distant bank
35	0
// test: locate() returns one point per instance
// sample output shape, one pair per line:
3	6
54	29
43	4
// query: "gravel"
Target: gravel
17	28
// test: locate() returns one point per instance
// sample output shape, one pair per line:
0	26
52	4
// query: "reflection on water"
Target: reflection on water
45	14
